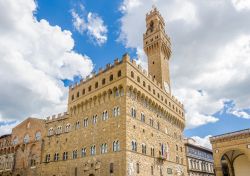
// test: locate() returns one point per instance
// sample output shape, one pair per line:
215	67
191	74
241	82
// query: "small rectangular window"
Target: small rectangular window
111	168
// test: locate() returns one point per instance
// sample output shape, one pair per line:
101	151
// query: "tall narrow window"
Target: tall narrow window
138	79
116	146
134	145
116	111
96	85
137	168
65	155
111	77
119	74
74	154
38	136
84	152
144	150
47	159
77	124
103	81
111	168
76	171
92	150
105	115
142	117
26	139
85	122
94	119
132	74
56	157
133	112
152	170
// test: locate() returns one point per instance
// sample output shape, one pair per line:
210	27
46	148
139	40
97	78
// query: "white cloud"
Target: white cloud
6	128
204	142
35	57
241	4
210	53
93	24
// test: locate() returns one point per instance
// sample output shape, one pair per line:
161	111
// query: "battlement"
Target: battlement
155	82
126	59
109	66
56	117
154	12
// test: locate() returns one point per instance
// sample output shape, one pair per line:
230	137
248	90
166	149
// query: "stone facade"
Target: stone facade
199	159
232	153
6	155
122	120
119	121
27	142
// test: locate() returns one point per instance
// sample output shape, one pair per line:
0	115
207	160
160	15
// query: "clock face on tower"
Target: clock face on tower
166	87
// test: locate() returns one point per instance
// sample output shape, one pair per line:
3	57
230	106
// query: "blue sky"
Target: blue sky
52	42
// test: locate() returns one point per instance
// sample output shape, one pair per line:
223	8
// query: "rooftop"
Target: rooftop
231	134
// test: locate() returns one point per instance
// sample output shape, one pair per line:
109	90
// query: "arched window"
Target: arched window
94	120
103	81
59	130
67	128
134	145
26	139
144	150
92	150
84	151
132	74
111	77
105	115
74	154
50	132
133	112
116	146
152	151
56	157
15	141
104	148
38	136
116	111
142	117
65	155
85	122
119	74
138	79
47	158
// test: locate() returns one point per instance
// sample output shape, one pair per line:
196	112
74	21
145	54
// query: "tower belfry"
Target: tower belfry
157	47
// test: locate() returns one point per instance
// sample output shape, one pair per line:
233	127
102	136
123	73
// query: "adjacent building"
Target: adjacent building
27	141
199	159
6	155
232	153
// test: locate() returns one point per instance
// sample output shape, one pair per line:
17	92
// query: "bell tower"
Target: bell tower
157	47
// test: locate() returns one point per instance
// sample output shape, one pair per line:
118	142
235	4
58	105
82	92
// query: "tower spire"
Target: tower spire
157	47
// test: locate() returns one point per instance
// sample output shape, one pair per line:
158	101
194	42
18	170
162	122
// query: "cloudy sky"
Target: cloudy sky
47	45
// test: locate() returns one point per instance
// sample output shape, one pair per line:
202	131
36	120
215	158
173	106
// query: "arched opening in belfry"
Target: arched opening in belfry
235	163
91	175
